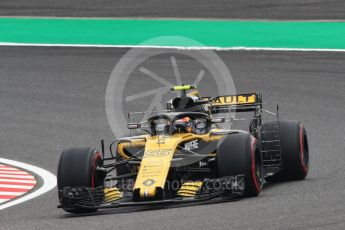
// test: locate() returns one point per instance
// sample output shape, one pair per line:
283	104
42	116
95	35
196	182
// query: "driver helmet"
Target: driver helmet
184	125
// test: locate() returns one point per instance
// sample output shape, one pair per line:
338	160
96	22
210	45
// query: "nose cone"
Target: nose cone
154	167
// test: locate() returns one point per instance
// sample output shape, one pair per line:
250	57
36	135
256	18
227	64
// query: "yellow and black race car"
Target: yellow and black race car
186	157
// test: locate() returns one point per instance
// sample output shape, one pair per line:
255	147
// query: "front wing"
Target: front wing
224	188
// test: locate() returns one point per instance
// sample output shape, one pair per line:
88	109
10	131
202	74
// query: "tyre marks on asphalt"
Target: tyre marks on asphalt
14	182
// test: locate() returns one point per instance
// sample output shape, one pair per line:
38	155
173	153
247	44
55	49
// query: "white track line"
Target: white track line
17	176
16	186
19	181
9	169
11	193
3	200
49	182
175	47
2	172
172	18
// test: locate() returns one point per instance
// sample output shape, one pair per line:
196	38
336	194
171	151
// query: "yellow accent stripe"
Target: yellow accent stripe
185	194
189	189
183	87
112	194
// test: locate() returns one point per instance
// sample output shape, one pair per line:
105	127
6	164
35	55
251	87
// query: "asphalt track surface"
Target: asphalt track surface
53	98
248	9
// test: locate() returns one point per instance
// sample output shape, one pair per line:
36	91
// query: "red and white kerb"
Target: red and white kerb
14	182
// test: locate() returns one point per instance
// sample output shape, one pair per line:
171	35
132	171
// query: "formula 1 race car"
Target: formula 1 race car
185	156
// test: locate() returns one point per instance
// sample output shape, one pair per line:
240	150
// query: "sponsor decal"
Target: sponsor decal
236	99
191	145
158	153
149	182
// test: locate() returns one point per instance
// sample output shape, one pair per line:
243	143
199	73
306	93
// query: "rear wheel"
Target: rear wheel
294	151
77	168
239	154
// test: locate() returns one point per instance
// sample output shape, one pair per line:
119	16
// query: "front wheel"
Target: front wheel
239	154
77	168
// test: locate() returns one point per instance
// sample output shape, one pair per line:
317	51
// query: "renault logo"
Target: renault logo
149	182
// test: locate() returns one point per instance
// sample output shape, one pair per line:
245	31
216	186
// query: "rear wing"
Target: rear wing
235	103
220	104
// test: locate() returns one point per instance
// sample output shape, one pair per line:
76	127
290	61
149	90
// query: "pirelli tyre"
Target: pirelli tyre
77	168
239	154
294	150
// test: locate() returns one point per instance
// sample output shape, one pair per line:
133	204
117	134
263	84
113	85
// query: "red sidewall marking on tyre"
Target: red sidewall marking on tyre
256	183
301	144
14	182
98	156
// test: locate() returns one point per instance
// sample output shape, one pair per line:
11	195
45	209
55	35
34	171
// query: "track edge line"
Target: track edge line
49	182
240	48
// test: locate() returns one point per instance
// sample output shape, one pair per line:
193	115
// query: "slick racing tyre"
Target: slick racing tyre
77	168
294	150
239	154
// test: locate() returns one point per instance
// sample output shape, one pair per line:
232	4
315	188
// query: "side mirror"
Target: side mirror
218	120
134	126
